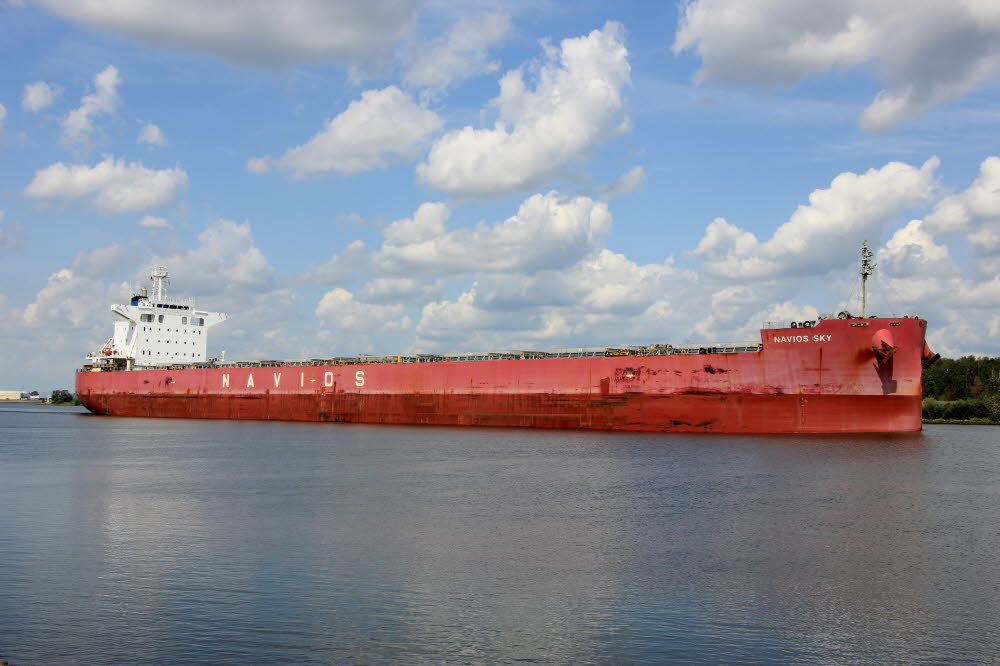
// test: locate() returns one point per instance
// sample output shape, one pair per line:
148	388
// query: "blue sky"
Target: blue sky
392	175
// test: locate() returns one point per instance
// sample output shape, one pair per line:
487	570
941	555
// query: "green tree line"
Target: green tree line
961	389
61	397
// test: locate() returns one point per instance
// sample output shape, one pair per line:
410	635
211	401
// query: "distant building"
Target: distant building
13	395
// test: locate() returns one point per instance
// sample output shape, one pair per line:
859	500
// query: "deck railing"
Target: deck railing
504	355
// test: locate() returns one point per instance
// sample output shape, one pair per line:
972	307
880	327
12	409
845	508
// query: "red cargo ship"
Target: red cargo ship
834	375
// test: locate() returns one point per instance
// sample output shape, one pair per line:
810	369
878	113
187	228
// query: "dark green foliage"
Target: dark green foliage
60	397
962	410
934	409
962	378
963	389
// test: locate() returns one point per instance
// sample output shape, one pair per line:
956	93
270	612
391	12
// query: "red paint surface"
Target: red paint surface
820	384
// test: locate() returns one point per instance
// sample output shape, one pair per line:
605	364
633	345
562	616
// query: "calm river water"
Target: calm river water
173	541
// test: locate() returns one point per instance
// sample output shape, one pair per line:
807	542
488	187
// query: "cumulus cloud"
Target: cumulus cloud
59	301
400	290
960	311
38	95
228	272
975	213
69	315
425	225
604	297
985	247
976	206
605	282
777	314
577	104
226	260
614	284
462	54
153	222
151	135
463	320
736	283
78	125
258	165
925	53
383	127
823	234
912	251
358	33
548	231
343	266
630	181
918	274
506	285
339	311
53	298
111	186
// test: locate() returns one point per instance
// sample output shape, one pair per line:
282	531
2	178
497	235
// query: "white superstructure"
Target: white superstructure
155	330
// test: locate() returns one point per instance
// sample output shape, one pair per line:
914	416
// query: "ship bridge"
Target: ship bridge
154	329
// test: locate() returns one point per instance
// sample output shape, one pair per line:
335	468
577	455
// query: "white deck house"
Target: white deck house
156	330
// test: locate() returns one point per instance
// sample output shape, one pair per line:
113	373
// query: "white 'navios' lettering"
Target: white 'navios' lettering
359	378
250	380
327	379
277	379
225	381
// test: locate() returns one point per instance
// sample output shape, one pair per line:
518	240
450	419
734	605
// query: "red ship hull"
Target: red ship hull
839	376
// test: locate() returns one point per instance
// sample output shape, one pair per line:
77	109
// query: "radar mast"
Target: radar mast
866	269
160	278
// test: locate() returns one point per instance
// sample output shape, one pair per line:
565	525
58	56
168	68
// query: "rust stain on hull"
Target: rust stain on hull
687	413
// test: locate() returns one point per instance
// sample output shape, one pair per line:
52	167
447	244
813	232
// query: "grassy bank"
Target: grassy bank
980	409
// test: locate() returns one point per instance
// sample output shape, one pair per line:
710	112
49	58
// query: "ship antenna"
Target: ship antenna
866	269
160	279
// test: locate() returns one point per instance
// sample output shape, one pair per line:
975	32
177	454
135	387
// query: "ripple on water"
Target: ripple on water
173	541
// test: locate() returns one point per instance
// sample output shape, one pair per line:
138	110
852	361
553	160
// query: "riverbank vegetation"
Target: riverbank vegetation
965	390
61	397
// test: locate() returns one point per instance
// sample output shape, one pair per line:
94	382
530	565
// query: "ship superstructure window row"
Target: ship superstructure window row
176	320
